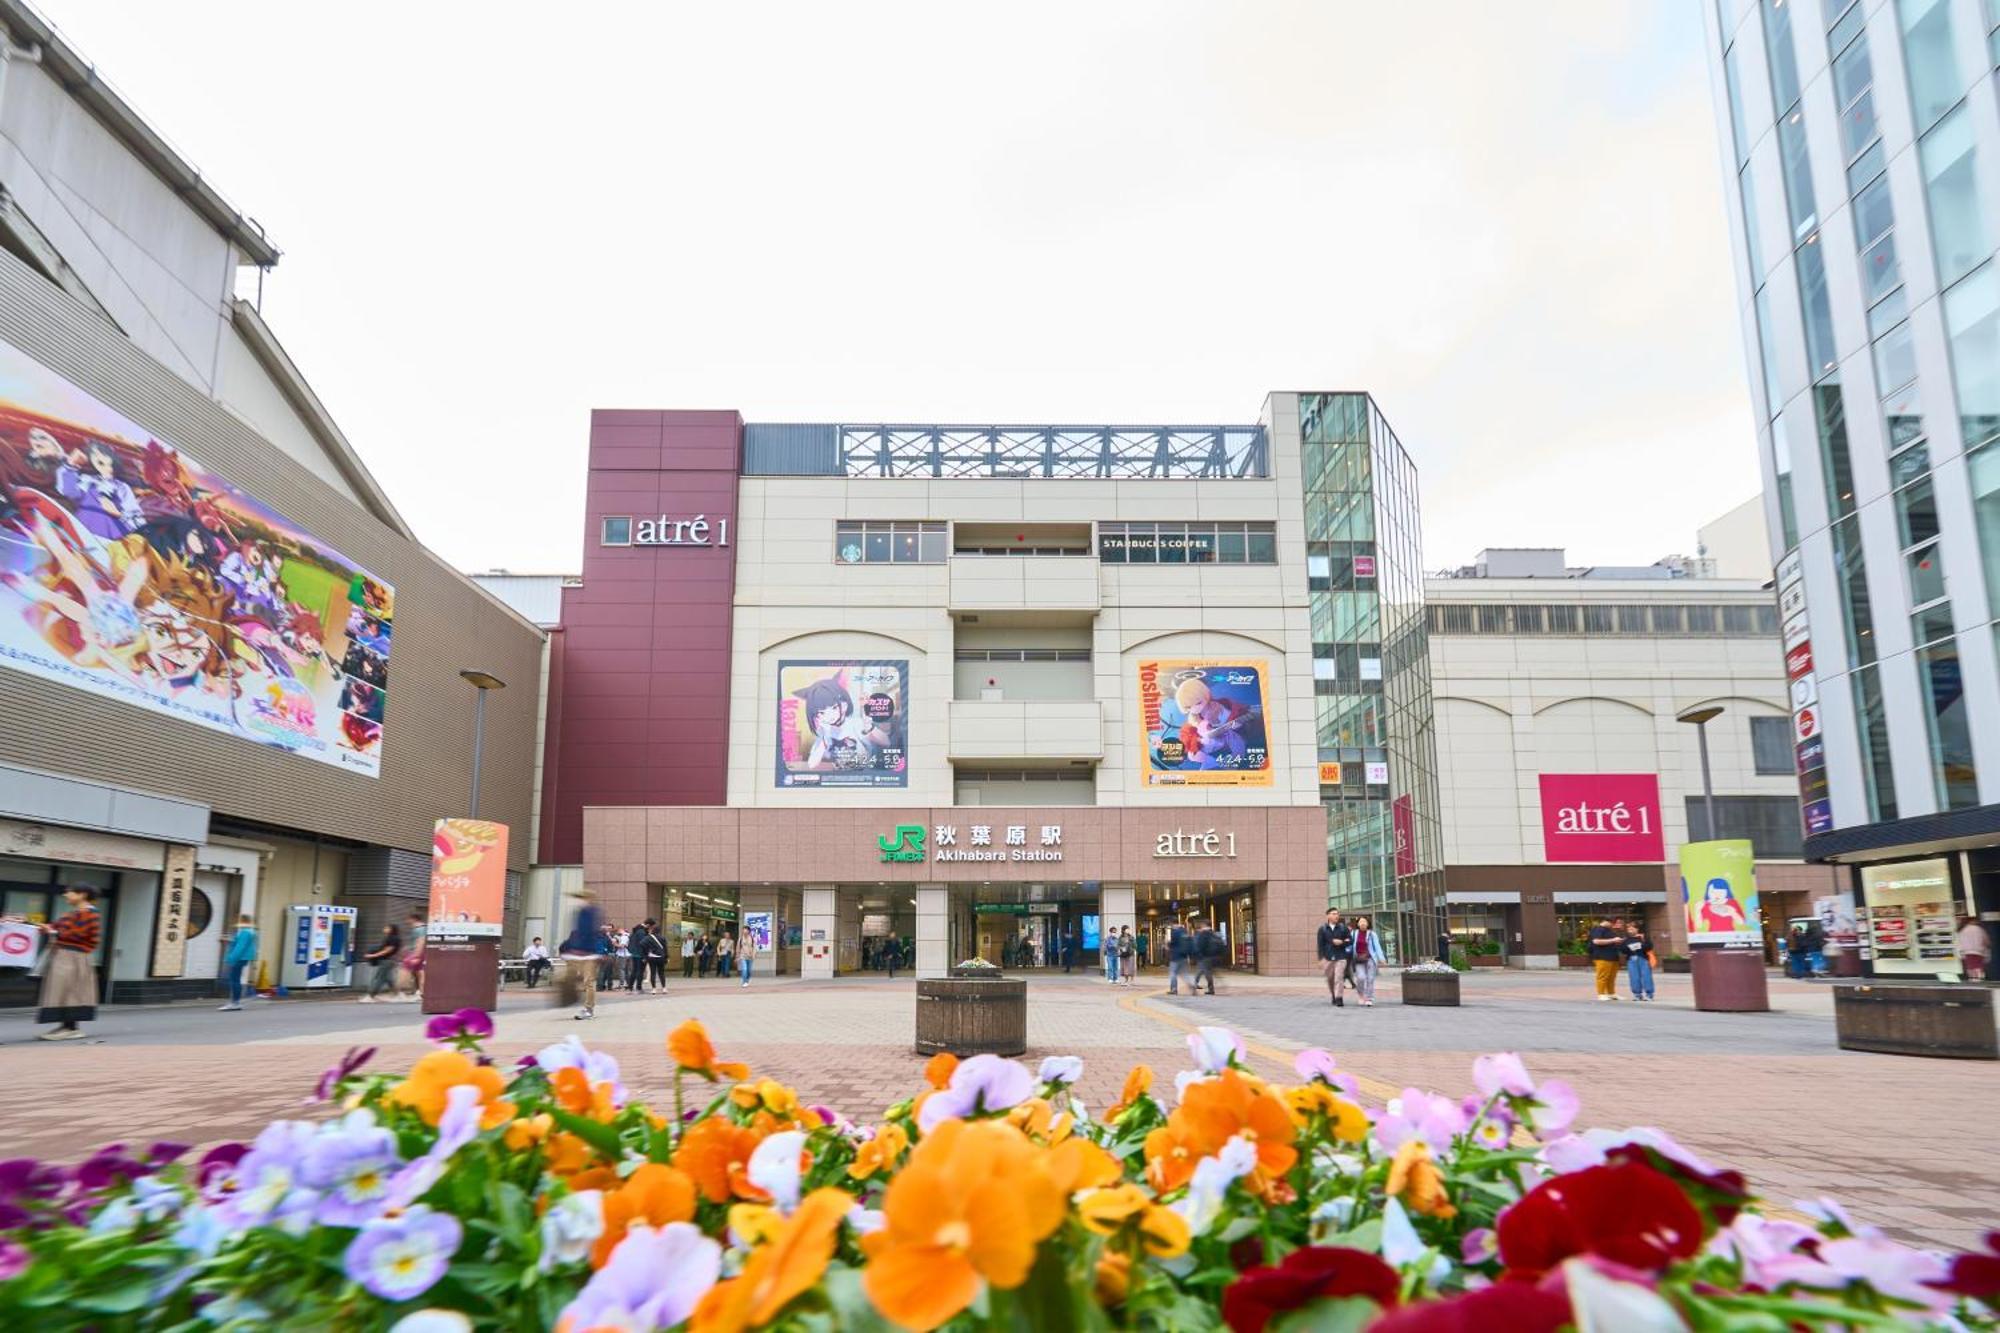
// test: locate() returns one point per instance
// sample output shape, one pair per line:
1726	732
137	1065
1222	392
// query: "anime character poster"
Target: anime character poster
843	724
468	877
130	570
1204	724
1719	891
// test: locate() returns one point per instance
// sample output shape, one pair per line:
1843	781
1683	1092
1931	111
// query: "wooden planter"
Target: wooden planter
1915	1018
972	1015
1675	964
1433	988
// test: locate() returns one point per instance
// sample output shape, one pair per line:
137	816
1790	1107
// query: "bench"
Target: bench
516	969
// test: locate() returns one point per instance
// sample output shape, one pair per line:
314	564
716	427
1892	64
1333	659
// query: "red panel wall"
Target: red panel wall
639	673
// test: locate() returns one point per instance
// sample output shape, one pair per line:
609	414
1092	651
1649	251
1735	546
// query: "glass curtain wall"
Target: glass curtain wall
1371	673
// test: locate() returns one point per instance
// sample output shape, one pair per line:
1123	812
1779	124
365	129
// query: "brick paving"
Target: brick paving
1895	1138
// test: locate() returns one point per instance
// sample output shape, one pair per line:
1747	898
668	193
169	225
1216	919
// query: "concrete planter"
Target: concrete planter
1572	960
1675	965
1915	1018
972	1014
1485	960
1431	988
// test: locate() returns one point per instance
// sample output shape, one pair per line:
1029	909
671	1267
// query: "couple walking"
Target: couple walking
1349	954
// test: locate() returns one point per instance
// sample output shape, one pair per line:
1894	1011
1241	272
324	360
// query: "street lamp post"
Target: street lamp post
482	681
1699	718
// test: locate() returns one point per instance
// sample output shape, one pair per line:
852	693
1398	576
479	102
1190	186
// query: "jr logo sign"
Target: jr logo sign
905	844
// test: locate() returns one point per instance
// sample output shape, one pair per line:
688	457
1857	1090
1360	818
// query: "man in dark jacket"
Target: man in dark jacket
1180	952
1207	950
1336	945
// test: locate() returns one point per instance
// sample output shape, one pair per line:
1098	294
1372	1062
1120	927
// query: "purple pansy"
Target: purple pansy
1504	1073
1064	1069
984	1083
461	1027
1215	1049
1416	1114
400	1258
13	1259
330	1081
1314	1063
351	1165
653	1280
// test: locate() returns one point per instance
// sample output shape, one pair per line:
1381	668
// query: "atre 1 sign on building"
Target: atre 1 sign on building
1601	817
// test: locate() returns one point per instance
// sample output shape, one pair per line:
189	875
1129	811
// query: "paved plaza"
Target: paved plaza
1768	1093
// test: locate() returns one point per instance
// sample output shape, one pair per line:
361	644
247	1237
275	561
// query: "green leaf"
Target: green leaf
853	1311
122	1299
599	1136
1348	1314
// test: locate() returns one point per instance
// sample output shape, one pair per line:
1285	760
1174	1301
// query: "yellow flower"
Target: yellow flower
1105	1211
754	1223
1164	1232
525	1133
427	1090
1113	1277
1415	1179
1346	1121
880	1153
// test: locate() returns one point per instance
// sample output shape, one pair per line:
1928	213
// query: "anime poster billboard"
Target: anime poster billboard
1203	724
468	877
1719	892
843	724
130	570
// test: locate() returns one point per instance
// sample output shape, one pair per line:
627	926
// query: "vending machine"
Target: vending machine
321	955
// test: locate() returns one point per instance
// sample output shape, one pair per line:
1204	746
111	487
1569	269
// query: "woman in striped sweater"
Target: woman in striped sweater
69	985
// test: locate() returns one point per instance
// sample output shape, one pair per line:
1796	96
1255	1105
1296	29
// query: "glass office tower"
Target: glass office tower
1860	147
1371	672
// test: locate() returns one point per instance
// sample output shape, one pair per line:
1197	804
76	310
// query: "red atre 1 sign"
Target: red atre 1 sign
1601	817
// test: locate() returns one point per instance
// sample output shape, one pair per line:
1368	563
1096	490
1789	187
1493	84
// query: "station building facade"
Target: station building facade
993	690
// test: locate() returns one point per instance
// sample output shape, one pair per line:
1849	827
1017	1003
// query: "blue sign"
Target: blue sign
1819	817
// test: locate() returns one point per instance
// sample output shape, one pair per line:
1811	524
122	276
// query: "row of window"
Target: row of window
1023	655
1450	618
1024	774
1187	543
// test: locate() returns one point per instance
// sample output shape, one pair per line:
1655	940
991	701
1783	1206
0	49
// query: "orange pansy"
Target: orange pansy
716	1154
1137	1082
574	1094
880	1153
652	1196
777	1273
1113	1277
1171	1153
689	1048
970	1204
1415	1179
1217	1110
528	1131
1078	1164
939	1069
427	1090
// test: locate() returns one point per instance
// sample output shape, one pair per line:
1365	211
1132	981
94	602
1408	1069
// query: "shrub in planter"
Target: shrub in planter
460	1196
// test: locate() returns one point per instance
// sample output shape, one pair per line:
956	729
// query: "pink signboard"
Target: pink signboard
1601	817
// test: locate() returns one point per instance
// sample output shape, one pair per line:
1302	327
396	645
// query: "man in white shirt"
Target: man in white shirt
687	956
537	959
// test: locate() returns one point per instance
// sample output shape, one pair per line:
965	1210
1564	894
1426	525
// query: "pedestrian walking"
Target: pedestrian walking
1336	950
688	951
1639	960
1180	952
1108	951
1607	955
385	958
636	951
1207	953
1128	956
1364	957
69	982
656	956
1444	947
1973	948
413	956
582	952
1068	950
704	955
746	949
1798	954
536	956
242	953
893	956
607	958
725	949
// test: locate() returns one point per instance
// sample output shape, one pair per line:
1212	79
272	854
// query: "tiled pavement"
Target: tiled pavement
1900	1140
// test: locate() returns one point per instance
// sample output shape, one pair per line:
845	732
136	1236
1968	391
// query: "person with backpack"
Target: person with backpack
1180	952
1207	952
1364	956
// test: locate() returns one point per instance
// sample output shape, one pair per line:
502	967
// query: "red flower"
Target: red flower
1719	1194
1629	1214
1317	1272
1974	1274
1518	1307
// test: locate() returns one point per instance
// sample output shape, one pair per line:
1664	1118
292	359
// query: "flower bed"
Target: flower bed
461	1196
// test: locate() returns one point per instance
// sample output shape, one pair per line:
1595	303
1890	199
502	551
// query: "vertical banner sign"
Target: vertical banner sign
1204	723
1404	812
758	926
170	923
1809	748
1719	892
468	877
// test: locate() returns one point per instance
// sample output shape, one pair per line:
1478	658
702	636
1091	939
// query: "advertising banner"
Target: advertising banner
1601	817
1837	921
1404	812
1203	723
843	724
757	925
468	877
130	570
19	943
1719	892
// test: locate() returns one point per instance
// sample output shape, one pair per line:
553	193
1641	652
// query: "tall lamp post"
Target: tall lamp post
461	971
1725	978
482	681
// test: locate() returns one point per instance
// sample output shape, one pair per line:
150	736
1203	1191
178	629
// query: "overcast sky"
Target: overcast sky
1504	220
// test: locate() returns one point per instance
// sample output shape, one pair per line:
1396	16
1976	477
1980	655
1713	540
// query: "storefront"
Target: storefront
824	892
1909	917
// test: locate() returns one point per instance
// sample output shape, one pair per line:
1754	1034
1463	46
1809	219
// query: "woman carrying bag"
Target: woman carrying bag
1366	958
69	983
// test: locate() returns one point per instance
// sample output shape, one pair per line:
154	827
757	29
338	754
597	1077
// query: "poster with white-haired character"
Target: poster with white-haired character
1205	723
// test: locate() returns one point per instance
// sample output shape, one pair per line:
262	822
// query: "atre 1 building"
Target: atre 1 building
988	690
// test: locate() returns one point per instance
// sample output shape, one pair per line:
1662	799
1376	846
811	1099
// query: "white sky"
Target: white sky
1504	220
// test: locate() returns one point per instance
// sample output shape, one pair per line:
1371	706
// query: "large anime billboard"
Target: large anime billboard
843	724
130	570
1203	724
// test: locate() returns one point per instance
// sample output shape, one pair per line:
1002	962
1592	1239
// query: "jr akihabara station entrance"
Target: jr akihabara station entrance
828	893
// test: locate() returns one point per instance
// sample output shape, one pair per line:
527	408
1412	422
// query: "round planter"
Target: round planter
1915	1018
1432	988
972	1015
1730	981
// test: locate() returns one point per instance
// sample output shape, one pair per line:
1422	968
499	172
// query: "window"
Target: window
1950	733
1562	620
1958	232
1873	725
1895	358
1853	574
857	542
1931	624
1739	620
1875	240
1530	619
1779	54
1597	620
1916	512
1492	620
1847	23
1701	619
1191	543
1927	53
1813	307
1771	823
1792	157
1907	466
1022	655
1753	244
1983	469
616	532
1631	619
1771	746
1830	416
1767	349
1733	80
1853	91
1781	463
1925	566
1866	168
1972	323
